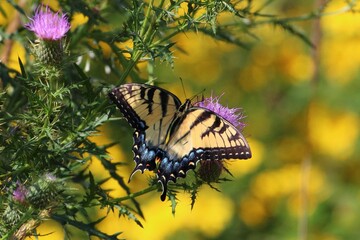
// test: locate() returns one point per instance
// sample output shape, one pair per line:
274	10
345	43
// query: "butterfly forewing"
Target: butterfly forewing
147	108
150	111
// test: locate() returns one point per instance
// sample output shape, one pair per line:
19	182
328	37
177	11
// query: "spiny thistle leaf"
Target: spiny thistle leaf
17	7
23	72
124	211
2	11
89	227
173	201
92	186
111	168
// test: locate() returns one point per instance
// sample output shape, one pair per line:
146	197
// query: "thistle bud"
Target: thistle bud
43	193
11	216
210	171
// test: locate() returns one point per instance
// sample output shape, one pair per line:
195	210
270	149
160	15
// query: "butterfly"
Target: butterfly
173	137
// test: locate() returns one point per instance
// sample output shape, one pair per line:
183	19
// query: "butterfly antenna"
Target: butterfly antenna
183	87
197	96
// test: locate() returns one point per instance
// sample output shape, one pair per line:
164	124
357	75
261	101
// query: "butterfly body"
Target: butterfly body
172	136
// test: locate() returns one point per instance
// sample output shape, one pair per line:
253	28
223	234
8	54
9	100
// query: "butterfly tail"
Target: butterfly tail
133	172
163	182
144	157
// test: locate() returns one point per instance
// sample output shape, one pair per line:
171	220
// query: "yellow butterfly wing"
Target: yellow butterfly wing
200	134
150	111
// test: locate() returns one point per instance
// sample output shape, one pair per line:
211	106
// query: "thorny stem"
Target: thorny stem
309	16
147	19
133	61
80	225
180	29
177	31
139	193
27	166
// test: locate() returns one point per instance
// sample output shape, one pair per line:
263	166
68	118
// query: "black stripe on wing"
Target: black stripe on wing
129	98
208	131
123	105
149	99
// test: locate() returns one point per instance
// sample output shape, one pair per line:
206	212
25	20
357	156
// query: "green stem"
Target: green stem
89	228
127	71
179	29
306	17
161	4
26	217
133	61
15	172
147	19
134	195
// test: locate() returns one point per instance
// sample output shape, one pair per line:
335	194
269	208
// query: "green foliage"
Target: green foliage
49	112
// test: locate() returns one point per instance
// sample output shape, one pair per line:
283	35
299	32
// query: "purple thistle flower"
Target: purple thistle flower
20	193
48	25
233	115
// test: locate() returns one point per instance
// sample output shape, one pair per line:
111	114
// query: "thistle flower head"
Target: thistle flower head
233	115
20	193
48	25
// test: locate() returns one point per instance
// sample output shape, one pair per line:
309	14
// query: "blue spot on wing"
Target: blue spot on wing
170	169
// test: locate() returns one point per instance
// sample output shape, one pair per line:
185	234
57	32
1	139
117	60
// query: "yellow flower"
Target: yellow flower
340	53
252	210
18	51
49	230
78	19
211	209
9	13
289	183
202	58
333	133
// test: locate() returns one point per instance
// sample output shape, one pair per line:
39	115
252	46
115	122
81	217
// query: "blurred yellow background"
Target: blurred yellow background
303	129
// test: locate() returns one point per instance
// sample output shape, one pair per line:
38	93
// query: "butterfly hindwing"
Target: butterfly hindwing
200	135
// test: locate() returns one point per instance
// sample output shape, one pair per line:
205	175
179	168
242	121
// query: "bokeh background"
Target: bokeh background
302	106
